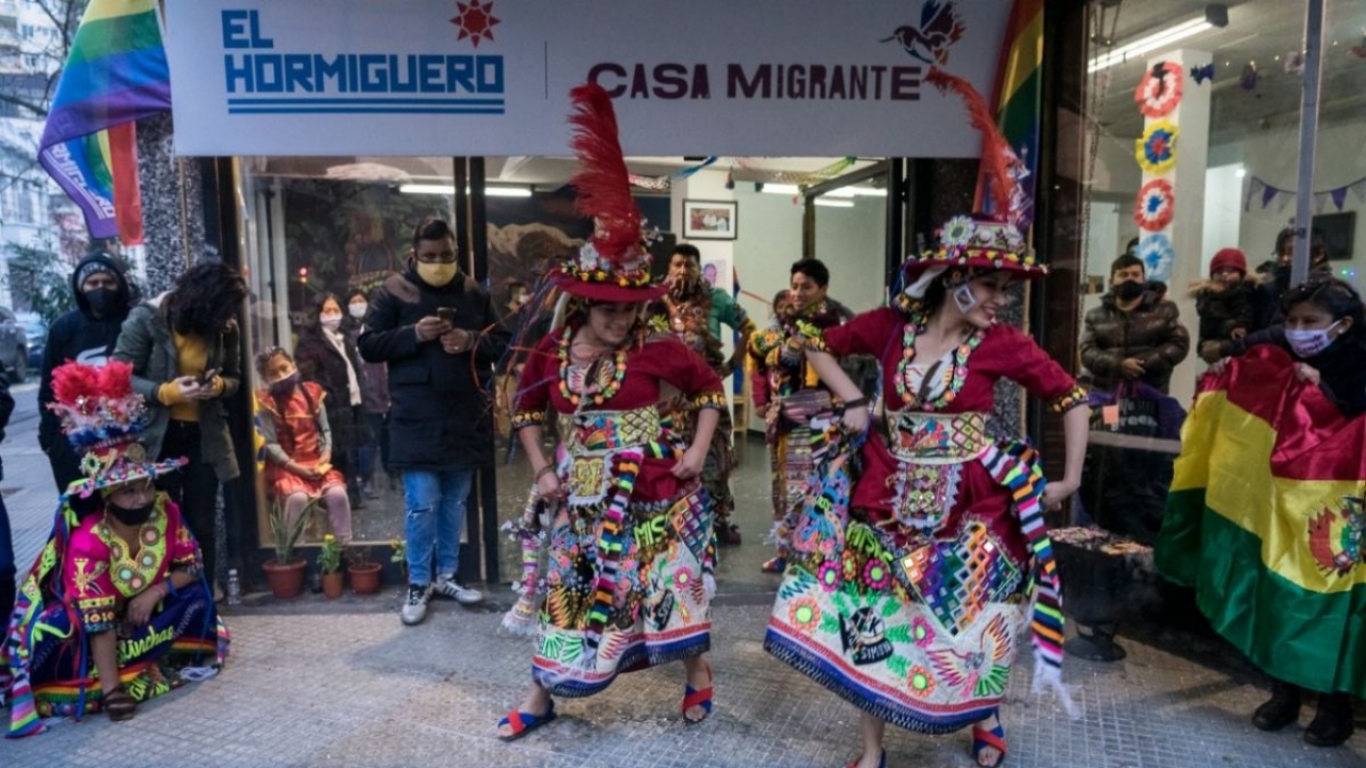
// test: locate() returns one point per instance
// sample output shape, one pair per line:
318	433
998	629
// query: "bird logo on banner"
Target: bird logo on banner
939	28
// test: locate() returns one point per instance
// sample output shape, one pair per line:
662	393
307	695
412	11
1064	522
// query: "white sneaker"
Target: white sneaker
415	607
449	588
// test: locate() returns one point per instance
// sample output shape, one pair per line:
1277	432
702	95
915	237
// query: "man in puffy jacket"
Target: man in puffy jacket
1134	334
440	336
87	335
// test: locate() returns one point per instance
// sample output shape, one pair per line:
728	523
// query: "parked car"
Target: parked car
13	345
36	331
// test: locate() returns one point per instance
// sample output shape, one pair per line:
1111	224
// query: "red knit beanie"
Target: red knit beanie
1229	258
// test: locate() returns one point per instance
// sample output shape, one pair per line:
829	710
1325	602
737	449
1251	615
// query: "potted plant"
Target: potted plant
364	571
285	573
400	556
329	562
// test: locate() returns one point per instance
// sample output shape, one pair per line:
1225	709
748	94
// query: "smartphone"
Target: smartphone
207	378
446	313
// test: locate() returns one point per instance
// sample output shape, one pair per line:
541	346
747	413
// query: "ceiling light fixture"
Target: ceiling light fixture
779	189
447	189
1215	16
848	192
826	202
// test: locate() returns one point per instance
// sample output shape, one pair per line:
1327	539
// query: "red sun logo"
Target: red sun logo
475	20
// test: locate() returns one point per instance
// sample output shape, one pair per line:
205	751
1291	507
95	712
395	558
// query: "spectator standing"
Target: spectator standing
327	356
440	336
86	335
374	397
1133	335
1224	303
187	361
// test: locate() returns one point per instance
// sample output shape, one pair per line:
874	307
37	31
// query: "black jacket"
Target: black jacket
6	408
320	362
1224	311
440	417
1151	332
80	336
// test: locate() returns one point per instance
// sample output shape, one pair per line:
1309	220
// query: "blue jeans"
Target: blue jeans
436	516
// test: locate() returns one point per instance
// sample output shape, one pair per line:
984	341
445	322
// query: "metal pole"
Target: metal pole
1309	129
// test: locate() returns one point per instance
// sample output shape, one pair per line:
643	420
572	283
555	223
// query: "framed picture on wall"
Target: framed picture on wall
1339	230
710	219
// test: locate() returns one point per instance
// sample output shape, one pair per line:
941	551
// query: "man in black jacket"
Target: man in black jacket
440	336
7	572
87	335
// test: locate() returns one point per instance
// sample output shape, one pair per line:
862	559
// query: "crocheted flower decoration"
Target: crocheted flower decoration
1157	255
1156	151
1155	206
1159	91
957	231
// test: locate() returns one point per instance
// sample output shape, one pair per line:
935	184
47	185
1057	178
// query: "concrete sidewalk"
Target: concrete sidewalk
345	684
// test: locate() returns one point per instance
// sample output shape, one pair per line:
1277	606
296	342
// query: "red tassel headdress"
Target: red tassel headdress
614	265
102	418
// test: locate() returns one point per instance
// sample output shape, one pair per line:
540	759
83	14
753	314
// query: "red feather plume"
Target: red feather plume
72	381
996	152
604	184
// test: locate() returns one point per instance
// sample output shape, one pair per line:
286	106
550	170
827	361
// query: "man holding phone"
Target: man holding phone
439	334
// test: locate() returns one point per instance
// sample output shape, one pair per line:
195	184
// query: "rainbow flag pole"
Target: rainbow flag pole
116	74
1017	97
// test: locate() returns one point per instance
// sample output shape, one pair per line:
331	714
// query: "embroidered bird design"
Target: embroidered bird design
940	27
979	671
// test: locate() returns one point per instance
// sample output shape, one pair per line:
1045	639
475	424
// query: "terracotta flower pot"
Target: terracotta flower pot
365	579
333	584
286	581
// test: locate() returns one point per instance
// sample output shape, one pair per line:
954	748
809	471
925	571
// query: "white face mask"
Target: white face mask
357	310
330	322
1308	343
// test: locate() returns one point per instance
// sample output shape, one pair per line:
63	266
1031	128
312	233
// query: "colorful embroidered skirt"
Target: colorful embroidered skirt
920	635
681	418
55	676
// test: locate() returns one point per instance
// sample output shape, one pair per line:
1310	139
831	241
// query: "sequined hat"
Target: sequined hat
614	265
102	417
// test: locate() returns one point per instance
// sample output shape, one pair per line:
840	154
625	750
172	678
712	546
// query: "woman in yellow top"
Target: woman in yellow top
186	359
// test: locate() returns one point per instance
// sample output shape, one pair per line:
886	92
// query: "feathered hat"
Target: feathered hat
972	245
102	417
614	265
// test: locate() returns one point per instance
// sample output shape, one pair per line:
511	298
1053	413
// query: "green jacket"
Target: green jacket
146	342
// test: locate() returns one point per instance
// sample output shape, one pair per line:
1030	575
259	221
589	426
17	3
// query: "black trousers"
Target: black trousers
194	488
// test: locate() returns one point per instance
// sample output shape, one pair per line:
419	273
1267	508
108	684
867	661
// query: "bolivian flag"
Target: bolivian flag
1265	520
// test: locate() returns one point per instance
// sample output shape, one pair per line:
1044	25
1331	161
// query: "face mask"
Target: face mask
102	300
330	322
285	387
357	310
1128	290
1306	344
135	516
437	275
964	298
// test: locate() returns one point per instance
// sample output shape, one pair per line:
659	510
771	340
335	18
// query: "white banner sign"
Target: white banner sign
492	77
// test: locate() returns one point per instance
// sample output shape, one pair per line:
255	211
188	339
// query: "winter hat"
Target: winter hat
1228	258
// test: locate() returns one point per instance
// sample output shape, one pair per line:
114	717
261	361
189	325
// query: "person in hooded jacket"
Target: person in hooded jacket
440	335
86	335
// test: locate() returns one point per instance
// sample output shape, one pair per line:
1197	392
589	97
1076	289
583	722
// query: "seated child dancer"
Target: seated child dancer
115	609
1223	303
299	444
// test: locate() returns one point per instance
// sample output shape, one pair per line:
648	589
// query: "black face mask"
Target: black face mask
135	516
1128	290
285	387
103	301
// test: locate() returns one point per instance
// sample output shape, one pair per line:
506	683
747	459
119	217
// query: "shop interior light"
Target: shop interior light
779	189
1215	16
828	203
857	192
446	189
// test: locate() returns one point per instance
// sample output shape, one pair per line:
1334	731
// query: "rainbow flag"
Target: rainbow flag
1018	97
116	73
1265	520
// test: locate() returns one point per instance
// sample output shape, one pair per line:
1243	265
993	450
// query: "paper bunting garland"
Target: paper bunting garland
1155	206
1159	91
1203	74
1156	151
661	183
1157	255
664	182
1264	195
